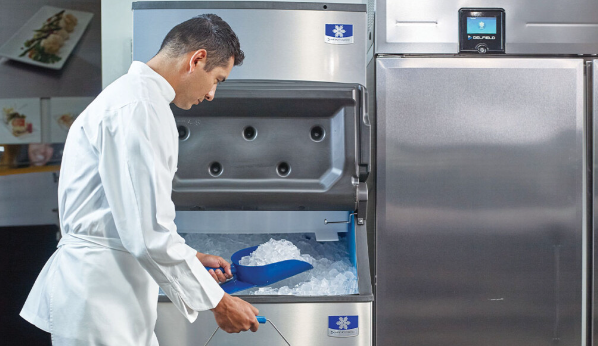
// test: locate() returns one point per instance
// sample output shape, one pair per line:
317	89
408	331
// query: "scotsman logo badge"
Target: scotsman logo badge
343	326
339	34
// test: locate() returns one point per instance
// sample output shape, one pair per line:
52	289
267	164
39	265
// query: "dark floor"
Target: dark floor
23	253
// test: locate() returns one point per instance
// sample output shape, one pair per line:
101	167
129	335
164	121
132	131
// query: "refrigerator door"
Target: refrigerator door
480	201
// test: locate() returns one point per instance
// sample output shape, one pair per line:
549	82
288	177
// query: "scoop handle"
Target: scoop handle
233	269
260	319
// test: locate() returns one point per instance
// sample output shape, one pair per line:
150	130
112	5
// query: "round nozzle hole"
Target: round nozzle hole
283	169
317	133
249	133
183	132
215	169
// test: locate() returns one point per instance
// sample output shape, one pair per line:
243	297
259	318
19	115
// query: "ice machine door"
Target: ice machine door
264	145
480	201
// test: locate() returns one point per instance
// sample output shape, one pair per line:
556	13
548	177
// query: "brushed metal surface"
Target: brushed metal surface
252	222
532	26
480	201
372	182
304	324
594	285
278	44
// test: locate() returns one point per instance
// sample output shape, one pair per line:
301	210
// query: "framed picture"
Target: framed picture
48	38
21	121
63	112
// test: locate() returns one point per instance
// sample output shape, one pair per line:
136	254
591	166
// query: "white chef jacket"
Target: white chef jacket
119	242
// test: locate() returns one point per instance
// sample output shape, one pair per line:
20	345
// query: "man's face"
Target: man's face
198	84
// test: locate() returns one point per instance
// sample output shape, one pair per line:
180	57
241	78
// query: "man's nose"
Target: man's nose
210	96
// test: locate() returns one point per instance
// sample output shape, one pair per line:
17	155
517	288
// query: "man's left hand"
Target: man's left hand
215	262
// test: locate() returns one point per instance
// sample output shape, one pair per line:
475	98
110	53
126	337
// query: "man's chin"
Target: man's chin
185	107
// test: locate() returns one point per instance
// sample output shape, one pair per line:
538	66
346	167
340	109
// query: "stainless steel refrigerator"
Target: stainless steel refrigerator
484	172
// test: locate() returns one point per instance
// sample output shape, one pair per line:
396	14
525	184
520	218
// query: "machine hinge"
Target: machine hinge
360	214
362	203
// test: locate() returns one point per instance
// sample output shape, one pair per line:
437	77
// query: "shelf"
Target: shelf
33	169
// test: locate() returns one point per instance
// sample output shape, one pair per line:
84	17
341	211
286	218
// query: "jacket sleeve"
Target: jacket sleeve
138	148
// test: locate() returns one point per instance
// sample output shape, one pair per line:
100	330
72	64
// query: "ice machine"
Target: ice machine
282	153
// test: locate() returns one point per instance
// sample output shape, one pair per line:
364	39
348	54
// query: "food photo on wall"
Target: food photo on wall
63	112
48	38
50	48
21	121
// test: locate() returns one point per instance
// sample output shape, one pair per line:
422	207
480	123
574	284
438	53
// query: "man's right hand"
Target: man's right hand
235	315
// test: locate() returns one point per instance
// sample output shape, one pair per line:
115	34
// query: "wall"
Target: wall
41	92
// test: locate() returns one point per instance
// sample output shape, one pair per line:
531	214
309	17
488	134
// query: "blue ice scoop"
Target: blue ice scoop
245	277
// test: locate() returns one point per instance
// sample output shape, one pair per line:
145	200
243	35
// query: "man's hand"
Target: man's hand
215	262
235	315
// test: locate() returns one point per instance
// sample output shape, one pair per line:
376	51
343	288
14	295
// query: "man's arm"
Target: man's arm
137	148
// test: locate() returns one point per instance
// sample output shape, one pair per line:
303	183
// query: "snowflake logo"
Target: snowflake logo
338	31
343	322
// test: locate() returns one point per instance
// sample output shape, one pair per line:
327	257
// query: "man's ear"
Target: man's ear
197	59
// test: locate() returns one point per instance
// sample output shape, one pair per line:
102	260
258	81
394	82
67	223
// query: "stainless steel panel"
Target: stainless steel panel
278	44
371	223
252	222
28	199
593	90
532	26
301	324
480	201
363	261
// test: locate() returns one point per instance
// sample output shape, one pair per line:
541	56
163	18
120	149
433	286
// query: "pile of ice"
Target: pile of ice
275	251
328	278
333	273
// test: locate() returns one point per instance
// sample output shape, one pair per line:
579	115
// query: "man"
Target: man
117	217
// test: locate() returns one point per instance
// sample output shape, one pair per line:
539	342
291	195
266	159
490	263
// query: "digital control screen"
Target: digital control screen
482	30
481	25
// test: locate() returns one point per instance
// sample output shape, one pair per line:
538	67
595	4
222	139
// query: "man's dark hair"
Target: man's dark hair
206	31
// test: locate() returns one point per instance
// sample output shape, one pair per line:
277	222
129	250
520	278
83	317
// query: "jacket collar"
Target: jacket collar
137	67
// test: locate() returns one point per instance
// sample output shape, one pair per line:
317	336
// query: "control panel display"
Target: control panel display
481	25
482	30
